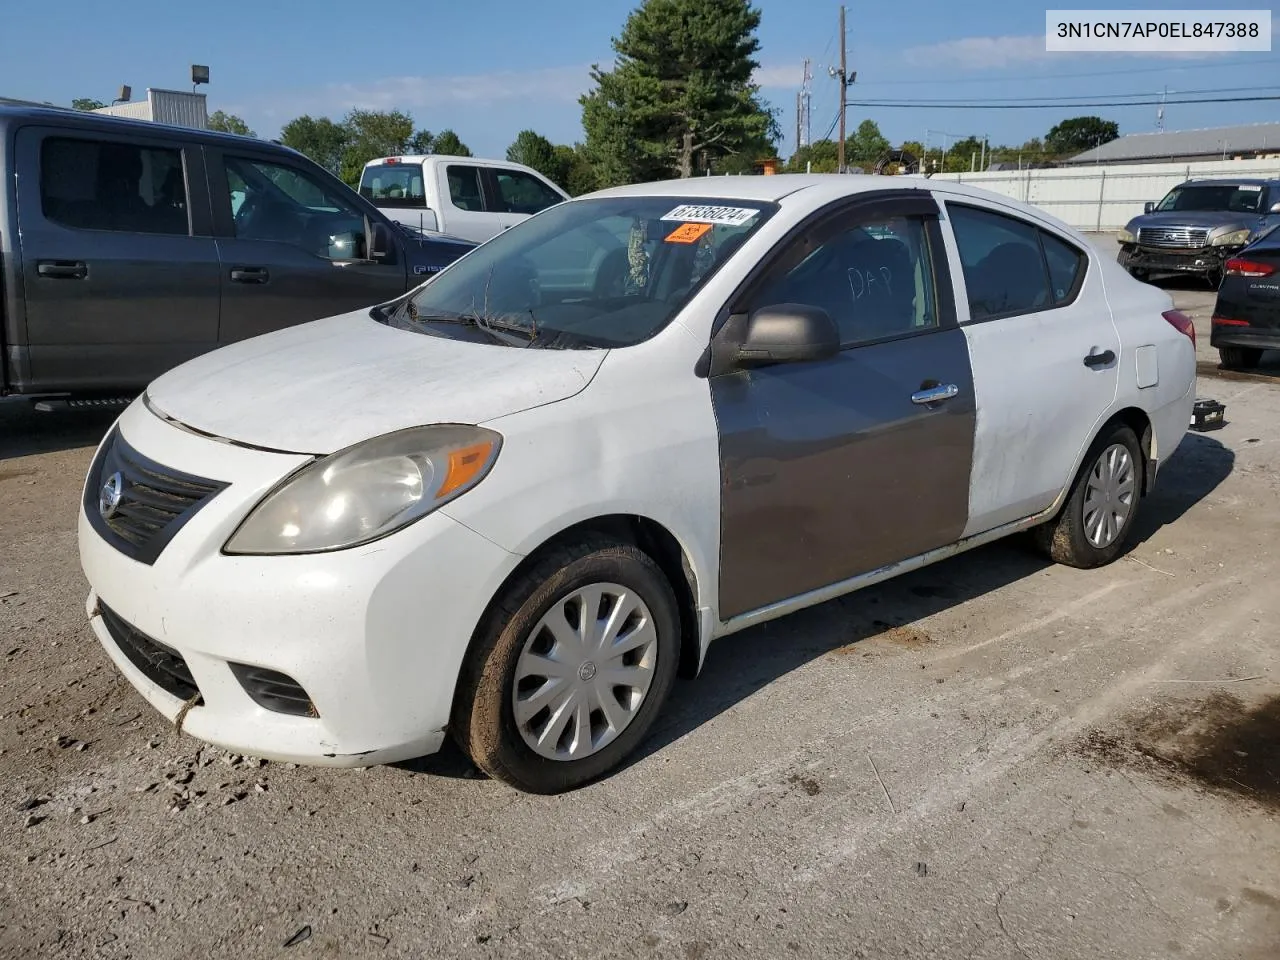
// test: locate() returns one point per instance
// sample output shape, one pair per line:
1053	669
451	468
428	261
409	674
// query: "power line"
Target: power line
954	81
1122	98
952	105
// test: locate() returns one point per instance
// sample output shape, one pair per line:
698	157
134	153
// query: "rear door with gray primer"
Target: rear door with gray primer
834	468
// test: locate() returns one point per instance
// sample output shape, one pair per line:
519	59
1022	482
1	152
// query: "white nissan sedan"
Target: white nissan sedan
509	506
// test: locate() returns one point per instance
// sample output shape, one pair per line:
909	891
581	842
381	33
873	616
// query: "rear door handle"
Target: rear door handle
62	269
250	274
944	391
1099	359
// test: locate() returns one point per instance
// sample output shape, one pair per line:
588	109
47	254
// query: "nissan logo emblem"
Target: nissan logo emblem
109	495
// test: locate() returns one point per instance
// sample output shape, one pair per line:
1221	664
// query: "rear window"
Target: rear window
394	185
108	185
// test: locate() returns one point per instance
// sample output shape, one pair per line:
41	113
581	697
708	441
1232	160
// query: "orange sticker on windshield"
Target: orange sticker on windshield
688	233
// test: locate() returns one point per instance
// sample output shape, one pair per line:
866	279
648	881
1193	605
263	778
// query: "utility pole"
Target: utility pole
799	120
806	107
845	79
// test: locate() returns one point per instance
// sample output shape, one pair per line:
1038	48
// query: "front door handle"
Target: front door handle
943	391
62	269
250	275
1099	359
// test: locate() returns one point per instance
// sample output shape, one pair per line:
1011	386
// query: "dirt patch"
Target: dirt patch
1221	742
807	784
904	635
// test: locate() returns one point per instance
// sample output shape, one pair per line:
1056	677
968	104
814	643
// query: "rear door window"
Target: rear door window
109	185
1004	269
518	192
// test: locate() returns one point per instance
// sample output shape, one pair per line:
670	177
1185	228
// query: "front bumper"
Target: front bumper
1204	261
375	635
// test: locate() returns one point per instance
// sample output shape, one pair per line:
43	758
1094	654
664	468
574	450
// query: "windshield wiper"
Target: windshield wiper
498	330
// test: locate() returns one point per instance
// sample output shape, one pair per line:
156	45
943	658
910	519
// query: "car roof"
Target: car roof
764	188
86	119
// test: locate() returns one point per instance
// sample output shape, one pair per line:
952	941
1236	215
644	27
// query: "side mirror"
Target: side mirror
1148	206
1275	208
788	333
379	241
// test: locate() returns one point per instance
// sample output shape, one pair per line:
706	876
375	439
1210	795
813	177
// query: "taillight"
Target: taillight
1239	267
1228	322
1182	323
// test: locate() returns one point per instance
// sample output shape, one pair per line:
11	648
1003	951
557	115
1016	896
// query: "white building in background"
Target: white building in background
181	108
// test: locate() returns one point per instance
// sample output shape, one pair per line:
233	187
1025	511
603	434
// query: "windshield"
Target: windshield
1217	197
394	185
610	272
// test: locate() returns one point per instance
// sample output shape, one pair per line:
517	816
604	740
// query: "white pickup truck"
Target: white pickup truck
462	196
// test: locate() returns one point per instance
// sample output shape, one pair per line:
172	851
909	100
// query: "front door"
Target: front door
120	284
839	467
292	248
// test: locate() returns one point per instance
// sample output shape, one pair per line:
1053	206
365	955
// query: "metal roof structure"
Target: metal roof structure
1213	143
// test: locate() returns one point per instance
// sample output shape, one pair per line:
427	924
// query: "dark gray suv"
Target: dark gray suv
128	247
1198	226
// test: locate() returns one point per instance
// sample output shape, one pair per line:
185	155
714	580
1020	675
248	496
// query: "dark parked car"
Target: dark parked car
1246	318
1198	226
128	247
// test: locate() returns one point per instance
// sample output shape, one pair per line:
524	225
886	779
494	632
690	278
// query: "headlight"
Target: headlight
1127	237
367	491
1235	238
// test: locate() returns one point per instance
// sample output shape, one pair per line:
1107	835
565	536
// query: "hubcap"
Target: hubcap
584	671
1108	497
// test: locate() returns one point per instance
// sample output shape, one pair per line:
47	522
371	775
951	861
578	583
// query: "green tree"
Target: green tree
422	142
867	145
578	173
536	151
964	155
821	156
680	95
86	103
372	134
318	138
1080	134
229	123
448	144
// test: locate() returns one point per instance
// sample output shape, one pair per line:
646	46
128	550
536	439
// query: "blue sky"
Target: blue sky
488	68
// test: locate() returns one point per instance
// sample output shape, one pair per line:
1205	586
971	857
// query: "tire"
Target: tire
1142	275
1239	358
1070	538
497	672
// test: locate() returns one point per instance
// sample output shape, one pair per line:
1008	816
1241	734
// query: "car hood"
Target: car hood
1212	219
319	387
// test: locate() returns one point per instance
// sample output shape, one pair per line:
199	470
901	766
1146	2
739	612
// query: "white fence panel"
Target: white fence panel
1105	197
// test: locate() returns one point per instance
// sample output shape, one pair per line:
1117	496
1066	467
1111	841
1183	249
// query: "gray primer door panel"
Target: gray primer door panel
829	469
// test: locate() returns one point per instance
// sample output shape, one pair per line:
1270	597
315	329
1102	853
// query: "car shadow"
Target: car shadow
739	666
25	431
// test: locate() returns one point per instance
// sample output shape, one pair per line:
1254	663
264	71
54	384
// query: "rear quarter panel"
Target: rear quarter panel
1151	345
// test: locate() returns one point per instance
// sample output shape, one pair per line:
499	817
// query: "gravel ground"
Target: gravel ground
992	759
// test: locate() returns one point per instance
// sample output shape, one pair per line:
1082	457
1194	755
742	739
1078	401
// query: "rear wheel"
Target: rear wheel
1095	523
1240	358
573	663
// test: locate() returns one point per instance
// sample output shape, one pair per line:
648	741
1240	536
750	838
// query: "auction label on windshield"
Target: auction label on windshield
1139	31
700	213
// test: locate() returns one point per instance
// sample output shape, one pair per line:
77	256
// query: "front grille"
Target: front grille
139	505
162	665
274	691
1186	238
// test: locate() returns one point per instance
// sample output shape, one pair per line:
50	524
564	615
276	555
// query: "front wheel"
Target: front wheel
1239	358
571	666
1095	523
